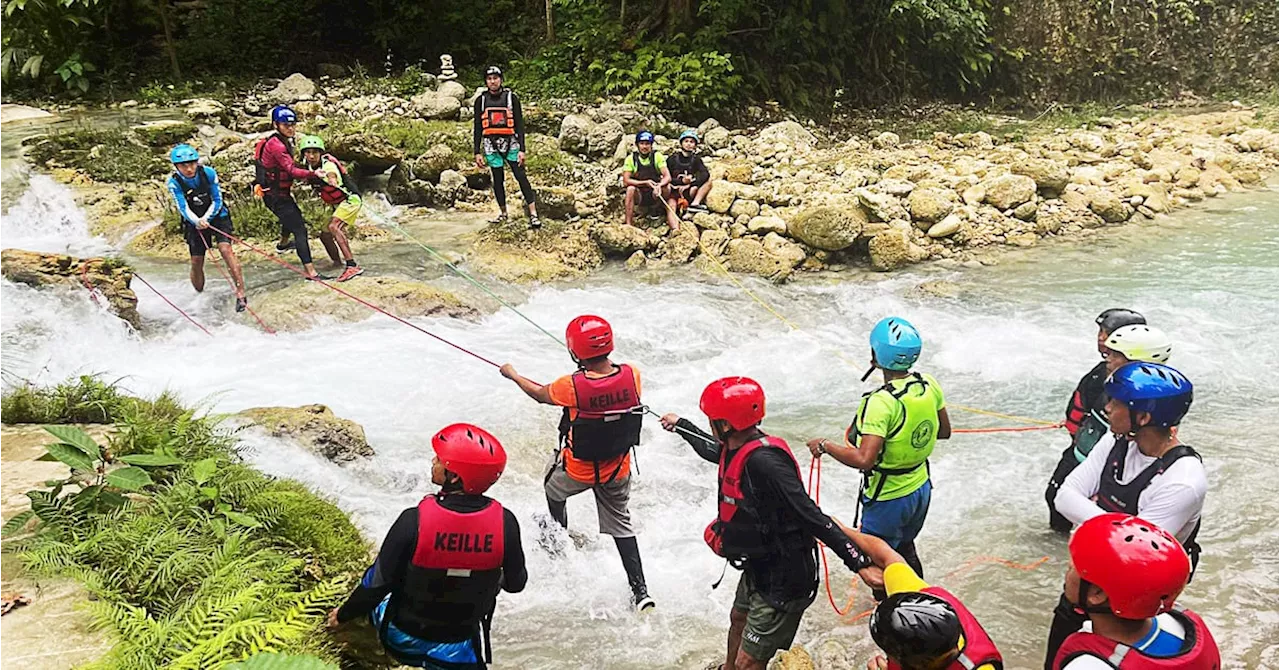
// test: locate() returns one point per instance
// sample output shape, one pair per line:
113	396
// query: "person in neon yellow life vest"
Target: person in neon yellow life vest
890	439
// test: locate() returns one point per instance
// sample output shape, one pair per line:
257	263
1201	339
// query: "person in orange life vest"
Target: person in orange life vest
647	180
275	173
337	189
431	593
599	426
498	140
1126	573
766	524
918	626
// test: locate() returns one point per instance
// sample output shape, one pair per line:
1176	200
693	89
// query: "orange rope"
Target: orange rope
1015	429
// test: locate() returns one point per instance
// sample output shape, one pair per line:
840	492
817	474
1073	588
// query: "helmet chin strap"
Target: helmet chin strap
1082	596
868	372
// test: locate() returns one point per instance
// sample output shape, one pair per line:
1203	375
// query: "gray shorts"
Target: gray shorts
612	498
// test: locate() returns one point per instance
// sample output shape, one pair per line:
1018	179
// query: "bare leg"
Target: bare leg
630	205
233	264
673	221
327	239
309	269
701	195
197	273
745	662
337	235
737	622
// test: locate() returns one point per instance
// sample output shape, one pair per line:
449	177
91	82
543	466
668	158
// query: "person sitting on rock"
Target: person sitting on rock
498	129
337	189
690	179
646	177
202	214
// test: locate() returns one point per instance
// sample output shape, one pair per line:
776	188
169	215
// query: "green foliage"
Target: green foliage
86	399
282	662
107	155
669	78
252	217
410	82
42	41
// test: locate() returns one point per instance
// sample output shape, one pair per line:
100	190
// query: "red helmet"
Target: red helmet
1140	566
589	336
471	453
738	400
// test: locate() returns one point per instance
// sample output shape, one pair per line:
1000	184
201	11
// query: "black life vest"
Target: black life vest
739	532
272	180
497	116
679	164
607	424
854	433
330	194
648	170
199	197
1116	497
451	586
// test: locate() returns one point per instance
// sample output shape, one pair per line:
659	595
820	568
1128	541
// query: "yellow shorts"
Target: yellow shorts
348	209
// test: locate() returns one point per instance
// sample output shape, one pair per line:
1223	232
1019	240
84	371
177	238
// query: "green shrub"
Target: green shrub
107	155
86	399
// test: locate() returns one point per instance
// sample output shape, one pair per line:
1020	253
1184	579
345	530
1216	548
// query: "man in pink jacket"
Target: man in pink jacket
275	174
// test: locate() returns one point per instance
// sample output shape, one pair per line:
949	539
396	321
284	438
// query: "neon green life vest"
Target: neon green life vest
903	464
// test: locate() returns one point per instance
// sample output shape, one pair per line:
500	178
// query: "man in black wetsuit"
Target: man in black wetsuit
432	591
766	526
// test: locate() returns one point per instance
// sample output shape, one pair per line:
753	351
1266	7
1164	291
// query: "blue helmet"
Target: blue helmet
689	133
644	136
183	153
895	344
1156	389
282	114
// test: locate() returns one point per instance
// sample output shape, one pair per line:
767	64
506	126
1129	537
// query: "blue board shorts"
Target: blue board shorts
419	653
900	520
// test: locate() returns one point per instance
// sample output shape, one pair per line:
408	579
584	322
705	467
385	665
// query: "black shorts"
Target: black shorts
197	239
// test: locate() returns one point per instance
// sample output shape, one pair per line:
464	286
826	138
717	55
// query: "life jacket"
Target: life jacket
332	195
679	164
272	180
1199	651
923	428
452	583
978	647
738	532
607	424
199	197
495	119
1091	429
1113	496
645	171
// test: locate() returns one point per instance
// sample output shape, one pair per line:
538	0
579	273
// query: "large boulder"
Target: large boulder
716	138
164	133
787	132
293	88
1050	176
108	278
930	205
431	164
721	196
372	151
451	184
1109	206
750	256
432	105
556	202
301	305
622	240
603	138
315	427
889	250
205	109
575	134
452	89
828	227
680	246
881	206
1009	191
514	254
404	189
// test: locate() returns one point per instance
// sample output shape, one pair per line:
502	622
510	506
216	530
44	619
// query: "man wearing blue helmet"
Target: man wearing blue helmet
1140	469
690	179
890	439
275	172
201	213
646	177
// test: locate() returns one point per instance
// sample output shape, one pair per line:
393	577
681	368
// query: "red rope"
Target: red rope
170	302
84	279
366	303
232	282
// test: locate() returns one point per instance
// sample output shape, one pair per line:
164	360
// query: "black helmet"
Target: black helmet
915	629
493	69
1112	319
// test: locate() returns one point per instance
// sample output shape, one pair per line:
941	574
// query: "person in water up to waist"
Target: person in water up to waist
891	437
1086	418
339	190
1126	573
1146	472
498	140
918	626
201	213
766	524
690	179
431	593
647	179
599	426
275	173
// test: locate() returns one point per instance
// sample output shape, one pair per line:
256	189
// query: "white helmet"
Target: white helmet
1141	343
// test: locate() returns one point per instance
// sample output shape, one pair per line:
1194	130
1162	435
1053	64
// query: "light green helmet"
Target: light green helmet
310	142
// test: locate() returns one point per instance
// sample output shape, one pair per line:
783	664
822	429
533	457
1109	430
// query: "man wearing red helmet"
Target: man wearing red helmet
1125	574
431	593
600	425
766	525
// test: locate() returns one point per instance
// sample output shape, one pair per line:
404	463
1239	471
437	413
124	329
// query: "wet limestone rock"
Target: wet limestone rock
750	256
1109	206
523	256
1009	191
205	109
930	205
372	151
619	239
889	250
935	288
795	658
109	278
315	427
680	246
556	202
302	305
1051	177
828	227
436	160
293	88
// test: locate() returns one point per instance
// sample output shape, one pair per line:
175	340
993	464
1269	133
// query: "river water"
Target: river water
1015	340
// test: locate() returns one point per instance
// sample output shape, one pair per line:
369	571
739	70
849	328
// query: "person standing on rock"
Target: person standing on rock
646	178
498	140
890	439
430	594
766	524
202	213
337	189
1086	411
275	172
599	427
690	179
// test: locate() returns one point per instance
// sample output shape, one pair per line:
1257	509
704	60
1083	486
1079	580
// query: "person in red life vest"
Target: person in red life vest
1086	418
599	427
339	190
766	524
431	593
275	173
1126	573
498	140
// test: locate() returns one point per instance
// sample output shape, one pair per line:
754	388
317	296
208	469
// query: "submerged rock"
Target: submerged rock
108	277
304	304
315	427
514	254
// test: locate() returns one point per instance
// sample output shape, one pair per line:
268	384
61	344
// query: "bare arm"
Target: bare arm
862	457
944	424
531	388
